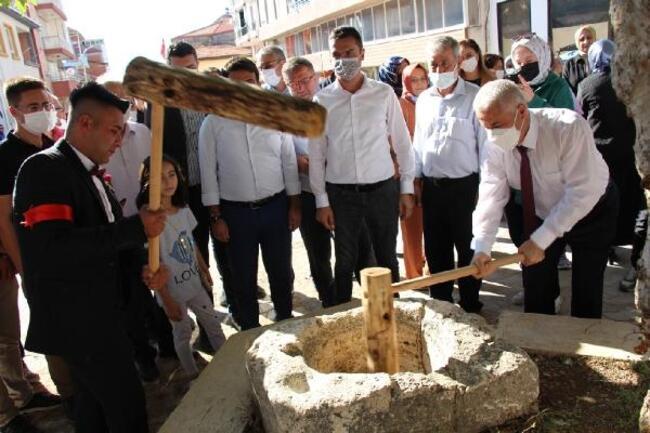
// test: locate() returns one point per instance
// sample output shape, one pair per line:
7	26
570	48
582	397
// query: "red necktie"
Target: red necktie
528	198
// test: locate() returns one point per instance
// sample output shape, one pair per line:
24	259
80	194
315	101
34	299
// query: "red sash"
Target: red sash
47	212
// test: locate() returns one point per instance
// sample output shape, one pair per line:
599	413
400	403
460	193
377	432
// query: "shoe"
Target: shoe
564	264
473	308
518	299
19	424
628	282
41	401
148	371
613	257
558	304
230	321
261	293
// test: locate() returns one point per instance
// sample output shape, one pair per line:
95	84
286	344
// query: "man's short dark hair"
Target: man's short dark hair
15	88
241	64
180	49
96	94
346	32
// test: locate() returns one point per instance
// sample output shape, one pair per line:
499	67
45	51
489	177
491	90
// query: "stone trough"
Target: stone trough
310	375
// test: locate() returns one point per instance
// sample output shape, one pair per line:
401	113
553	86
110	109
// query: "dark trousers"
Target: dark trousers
447	206
589	239
109	397
265	227
378	208
220	251
202	231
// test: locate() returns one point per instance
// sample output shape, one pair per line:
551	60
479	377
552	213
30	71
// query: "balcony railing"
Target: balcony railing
296	5
57	42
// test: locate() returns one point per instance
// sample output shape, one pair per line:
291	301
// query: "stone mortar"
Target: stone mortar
310	375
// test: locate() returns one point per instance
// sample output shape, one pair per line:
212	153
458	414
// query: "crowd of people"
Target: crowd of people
445	149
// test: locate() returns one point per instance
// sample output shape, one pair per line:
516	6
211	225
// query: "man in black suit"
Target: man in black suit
71	232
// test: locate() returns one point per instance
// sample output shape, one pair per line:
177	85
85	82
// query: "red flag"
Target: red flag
163	50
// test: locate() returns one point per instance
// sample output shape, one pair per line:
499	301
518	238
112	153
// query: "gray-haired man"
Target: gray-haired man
567	197
270	61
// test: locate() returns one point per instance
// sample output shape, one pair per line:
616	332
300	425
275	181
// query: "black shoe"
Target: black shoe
41	401
19	424
472	308
148	371
261	293
628	283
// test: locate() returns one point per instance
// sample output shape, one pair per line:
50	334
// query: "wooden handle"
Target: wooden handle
454	274
155	175
179	87
380	327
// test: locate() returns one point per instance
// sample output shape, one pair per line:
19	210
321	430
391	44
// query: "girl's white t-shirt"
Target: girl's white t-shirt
177	252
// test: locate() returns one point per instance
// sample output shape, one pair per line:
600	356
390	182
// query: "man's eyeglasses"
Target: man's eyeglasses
301	83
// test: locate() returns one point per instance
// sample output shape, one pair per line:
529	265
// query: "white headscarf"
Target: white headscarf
540	48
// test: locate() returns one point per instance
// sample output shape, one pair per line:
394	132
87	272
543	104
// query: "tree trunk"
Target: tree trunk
631	23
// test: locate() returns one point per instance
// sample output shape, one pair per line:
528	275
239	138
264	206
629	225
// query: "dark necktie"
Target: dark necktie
528	197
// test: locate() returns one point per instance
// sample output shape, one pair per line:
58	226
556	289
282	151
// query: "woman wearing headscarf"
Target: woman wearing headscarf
390	72
415	81
576	69
614	134
472	68
532	57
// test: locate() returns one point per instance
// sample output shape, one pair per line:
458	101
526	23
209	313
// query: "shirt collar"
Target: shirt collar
530	140
336	85
458	90
87	163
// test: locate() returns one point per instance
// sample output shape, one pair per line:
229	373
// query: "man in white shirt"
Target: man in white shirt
448	141
250	182
351	170
567	197
270	61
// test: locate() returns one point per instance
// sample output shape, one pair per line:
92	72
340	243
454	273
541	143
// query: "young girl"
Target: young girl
188	271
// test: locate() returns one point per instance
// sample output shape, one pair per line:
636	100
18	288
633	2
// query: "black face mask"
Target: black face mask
529	71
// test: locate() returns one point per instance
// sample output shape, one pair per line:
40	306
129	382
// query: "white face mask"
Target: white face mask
469	65
500	74
271	77
505	138
347	69
39	122
442	80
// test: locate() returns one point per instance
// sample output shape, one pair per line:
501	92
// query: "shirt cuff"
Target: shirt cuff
543	237
481	246
406	186
322	200
293	188
210	199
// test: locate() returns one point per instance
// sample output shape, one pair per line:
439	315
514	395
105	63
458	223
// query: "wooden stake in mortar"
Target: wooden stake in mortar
380	327
165	86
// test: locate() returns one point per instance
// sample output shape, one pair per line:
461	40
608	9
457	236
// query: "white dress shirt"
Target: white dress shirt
301	145
242	162
448	139
89	165
124	165
569	177
355	147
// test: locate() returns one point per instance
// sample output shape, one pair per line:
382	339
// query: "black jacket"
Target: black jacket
71	266
574	71
174	136
614	131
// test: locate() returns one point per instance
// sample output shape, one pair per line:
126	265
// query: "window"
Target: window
266	11
324	37
3	47
420	13
567	15
433	12
27	47
366	25
513	20
453	12
306	37
11	38
315	42
407	16
242	22
380	21
392	18
300	46
290	44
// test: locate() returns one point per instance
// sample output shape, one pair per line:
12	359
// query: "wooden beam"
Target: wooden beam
379	321
183	88
155	177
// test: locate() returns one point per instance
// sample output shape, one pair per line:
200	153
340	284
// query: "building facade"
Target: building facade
395	27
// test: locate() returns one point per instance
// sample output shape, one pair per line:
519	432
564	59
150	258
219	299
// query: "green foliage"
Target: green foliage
20	5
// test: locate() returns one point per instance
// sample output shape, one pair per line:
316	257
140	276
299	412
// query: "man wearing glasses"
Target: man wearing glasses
270	61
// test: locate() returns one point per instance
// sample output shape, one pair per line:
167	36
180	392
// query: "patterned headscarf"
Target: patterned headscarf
542	51
388	73
406	80
601	55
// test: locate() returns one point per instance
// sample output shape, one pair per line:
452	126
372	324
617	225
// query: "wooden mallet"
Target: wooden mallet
165	86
